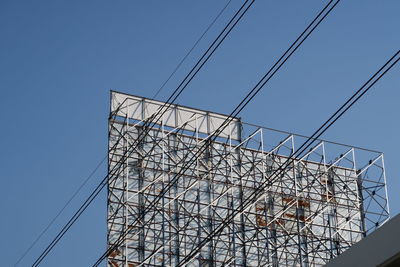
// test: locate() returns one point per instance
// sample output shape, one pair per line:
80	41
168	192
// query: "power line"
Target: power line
182	86
105	157
232	23
255	196
270	73
191	49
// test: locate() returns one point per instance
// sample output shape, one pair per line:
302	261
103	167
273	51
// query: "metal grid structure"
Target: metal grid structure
318	208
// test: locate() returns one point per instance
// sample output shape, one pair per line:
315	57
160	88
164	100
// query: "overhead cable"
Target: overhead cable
270	73
257	195
152	120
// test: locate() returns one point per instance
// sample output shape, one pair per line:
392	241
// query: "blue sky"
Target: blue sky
59	59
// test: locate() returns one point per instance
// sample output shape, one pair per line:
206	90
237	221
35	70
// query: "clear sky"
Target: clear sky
59	59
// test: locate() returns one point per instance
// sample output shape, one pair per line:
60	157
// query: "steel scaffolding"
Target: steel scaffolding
319	207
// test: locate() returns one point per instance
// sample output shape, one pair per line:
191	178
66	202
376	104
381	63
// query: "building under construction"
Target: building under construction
180	183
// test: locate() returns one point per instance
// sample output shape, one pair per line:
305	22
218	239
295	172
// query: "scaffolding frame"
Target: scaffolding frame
318	208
